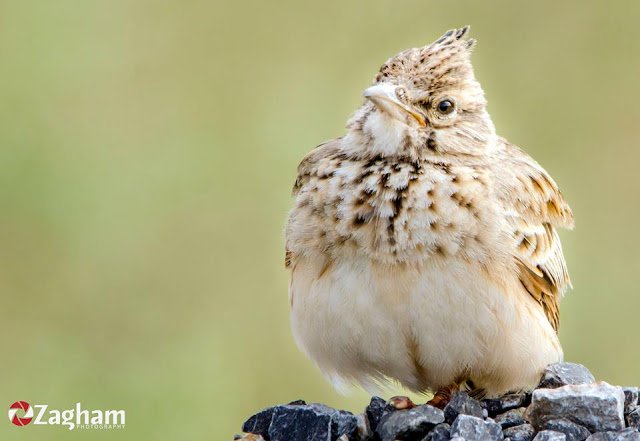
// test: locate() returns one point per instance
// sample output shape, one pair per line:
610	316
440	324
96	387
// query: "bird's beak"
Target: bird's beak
384	96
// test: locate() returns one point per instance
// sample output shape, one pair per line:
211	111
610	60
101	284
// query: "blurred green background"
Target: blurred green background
147	151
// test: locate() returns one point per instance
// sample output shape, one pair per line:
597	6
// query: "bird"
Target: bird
422	247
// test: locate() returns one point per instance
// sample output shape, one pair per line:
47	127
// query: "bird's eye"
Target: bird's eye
446	106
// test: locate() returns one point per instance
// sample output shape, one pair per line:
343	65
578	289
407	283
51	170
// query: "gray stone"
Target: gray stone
475	429
629	434
623	435
412	423
374	412
550	435
462	404
523	432
562	374
598	407
603	436
364	432
513	417
633	418
302	422
299	425
260	422
442	432
573	431
496	406
630	398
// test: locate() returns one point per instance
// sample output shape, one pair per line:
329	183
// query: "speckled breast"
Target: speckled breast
395	211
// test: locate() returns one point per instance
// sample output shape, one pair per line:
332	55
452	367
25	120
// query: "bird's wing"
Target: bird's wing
309	164
535	207
308	167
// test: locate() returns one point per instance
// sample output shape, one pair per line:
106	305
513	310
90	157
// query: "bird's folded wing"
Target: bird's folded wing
535	207
309	164
308	168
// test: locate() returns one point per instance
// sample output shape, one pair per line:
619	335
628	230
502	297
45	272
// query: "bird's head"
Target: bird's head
425	101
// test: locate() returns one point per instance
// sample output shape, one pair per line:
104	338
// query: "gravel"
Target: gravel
472	428
462	404
523	432
599	407
630	398
568	405
571	430
510	418
409	424
550	435
563	374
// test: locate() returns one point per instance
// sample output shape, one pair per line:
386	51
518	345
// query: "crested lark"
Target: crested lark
422	246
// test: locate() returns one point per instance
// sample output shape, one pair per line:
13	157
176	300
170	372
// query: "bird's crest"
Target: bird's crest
437	64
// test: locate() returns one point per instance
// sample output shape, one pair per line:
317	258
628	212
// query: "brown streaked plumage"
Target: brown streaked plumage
539	209
422	246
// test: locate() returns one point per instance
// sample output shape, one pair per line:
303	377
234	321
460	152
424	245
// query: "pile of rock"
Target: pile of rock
567	405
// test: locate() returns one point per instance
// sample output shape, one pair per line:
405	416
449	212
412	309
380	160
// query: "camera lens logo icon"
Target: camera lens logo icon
24	408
